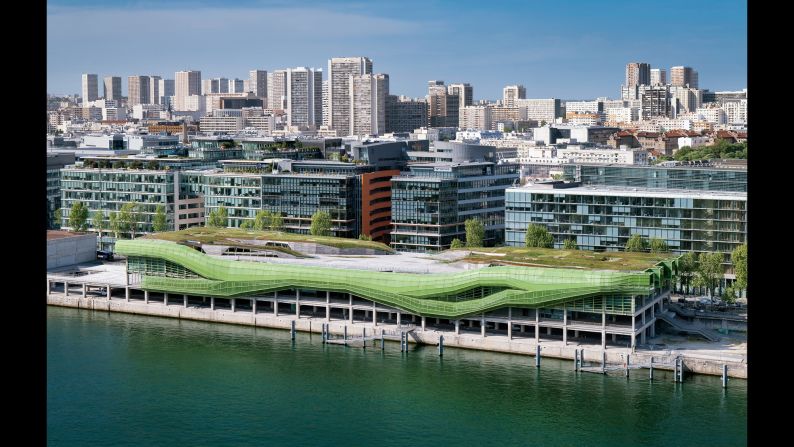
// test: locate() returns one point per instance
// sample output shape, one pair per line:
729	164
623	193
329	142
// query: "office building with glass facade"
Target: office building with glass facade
602	218
699	178
431	203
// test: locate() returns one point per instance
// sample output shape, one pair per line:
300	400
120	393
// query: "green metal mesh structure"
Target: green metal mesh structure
169	267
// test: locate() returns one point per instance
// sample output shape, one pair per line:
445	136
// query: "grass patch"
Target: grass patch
581	259
207	235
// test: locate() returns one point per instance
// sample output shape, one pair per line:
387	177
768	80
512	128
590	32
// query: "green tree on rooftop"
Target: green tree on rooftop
321	224
218	218
570	244
659	245
456	243
276	221
538	236
475	233
159	223
636	243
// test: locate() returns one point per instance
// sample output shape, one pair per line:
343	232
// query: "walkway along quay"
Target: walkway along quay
603	326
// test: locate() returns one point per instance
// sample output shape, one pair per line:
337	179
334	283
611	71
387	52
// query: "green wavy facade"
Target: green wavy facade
169	267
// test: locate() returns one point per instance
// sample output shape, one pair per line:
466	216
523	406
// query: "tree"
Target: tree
263	220
636	243
321	224
364	237
456	243
247	224
475	233
114	224
687	264
659	245
276	221
729	295
98	220
58	218
570	244
128	219
709	271
538	236
159	223
739	260
78	217
218	218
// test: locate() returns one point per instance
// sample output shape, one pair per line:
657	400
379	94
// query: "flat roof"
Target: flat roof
61	234
632	192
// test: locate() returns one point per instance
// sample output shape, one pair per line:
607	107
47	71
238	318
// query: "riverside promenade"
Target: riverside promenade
104	288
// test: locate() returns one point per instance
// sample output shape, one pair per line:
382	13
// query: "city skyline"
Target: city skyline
549	64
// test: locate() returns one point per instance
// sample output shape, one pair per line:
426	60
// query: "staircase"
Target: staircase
670	318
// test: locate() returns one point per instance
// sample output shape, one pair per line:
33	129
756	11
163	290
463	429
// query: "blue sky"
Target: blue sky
563	49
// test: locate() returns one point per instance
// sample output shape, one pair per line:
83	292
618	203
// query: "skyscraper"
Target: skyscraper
512	92
154	89
90	88
138	90
658	76
368	99
442	107
112	88
464	91
681	76
235	86
186	83
638	73
304	97
277	90
340	70
166	90
257	82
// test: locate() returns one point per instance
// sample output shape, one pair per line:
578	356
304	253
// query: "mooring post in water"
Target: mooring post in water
364	336
382	341
725	376
345	341
292	330
603	362
651	369
440	345
537	356
628	361
576	359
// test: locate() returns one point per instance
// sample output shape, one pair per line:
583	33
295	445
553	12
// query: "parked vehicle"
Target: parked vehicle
104	255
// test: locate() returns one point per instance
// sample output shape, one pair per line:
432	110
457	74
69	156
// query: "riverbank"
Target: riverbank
694	362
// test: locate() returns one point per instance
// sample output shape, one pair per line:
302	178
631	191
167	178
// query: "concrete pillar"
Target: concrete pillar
350	297
457	327
482	325
184	299
212	302
548	330
253	305
603	339
398	318
633	324
234	304
565	335
298	303
165	298
653	330
576	334
633	340
327	306
84	289
643	318
509	323
108	289
127	294
642	337
146	296
423	322
537	325
614	338
471	323
48	287
564	325
65	288
374	315
275	304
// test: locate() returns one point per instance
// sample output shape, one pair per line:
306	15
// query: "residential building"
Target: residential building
55	161
90	88
277	90
236	86
340	73
655	101
540	110
712	115
166	87
431	203
658	76
154	89
638	73
138	90
443	108
476	117
512	92
186	84
465	93
112	88
304	98
257	82
681	76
